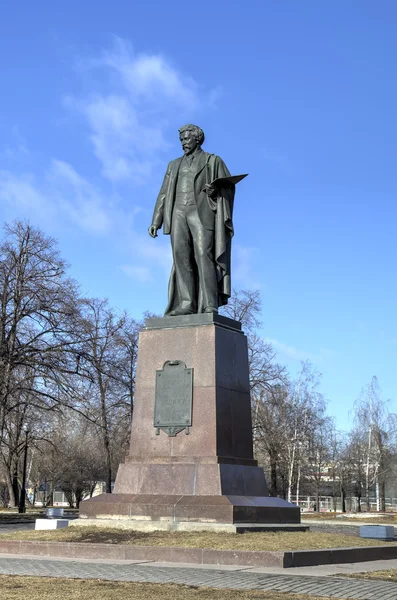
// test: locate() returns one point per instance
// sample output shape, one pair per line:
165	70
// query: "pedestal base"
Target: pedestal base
199	468
186	526
179	509
190	479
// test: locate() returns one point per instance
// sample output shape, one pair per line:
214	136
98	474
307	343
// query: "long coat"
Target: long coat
215	214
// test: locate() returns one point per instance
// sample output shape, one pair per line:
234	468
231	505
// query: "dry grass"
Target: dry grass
218	541
331	516
12	514
15	516
42	588
365	520
318	516
385	575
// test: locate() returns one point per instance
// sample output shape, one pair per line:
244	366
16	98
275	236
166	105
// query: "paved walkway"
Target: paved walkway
13	527
303	581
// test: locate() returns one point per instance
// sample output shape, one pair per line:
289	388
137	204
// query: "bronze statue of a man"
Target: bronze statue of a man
197	212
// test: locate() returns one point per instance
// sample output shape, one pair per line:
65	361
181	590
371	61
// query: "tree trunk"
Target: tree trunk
377	493
15	487
273	476
79	493
333	490
291	469
10	487
298	482
106	438
317	500
383	495
108	465
343	499
367	470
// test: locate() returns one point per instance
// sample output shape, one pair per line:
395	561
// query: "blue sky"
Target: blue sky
301	95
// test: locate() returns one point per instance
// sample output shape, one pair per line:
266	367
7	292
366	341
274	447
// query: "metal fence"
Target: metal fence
330	504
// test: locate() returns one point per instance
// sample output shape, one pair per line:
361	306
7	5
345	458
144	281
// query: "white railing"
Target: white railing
330	504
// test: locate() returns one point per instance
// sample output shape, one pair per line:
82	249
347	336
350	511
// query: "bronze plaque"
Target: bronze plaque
173	398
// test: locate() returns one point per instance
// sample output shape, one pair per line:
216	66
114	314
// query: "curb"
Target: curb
260	558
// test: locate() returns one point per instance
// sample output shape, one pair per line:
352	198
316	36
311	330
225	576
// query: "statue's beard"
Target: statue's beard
188	151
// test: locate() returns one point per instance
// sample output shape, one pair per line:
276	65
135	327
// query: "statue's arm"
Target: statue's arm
157	219
219	170
222	170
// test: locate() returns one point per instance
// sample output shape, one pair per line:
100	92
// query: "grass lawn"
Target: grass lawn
15	516
331	516
300	540
320	515
12	514
43	588
385	575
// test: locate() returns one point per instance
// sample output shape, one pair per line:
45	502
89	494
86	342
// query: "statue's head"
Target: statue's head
191	137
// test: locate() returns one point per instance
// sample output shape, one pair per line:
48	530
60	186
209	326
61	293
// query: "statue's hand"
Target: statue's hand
153	231
210	190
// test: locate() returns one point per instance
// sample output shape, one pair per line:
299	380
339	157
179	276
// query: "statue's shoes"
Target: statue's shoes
179	312
211	309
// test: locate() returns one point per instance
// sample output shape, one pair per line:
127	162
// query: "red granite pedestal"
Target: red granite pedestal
206	473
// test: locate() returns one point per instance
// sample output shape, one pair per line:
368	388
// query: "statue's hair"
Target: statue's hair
198	132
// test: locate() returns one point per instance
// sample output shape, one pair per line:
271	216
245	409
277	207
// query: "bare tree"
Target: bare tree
373	418
268	384
307	411
106	375
271	431
244	306
319	449
353	458
38	306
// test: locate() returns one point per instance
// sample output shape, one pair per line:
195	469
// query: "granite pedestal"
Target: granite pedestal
206	472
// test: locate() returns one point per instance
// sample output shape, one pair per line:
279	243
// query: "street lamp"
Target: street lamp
22	499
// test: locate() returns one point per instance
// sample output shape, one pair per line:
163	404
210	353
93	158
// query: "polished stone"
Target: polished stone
209	475
43	524
195	320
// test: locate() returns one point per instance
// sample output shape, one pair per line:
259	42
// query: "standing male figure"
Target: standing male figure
198	216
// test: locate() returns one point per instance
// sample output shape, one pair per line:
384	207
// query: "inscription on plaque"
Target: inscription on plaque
173	398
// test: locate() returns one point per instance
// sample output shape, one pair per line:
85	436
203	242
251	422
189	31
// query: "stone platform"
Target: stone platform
201	556
186	526
206	510
51	524
191	454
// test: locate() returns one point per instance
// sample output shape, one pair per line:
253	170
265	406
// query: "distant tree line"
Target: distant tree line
67	378
297	443
67	371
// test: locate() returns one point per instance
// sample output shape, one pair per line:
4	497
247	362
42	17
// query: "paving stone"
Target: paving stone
321	586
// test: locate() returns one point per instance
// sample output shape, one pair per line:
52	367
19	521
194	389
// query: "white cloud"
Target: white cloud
156	251
21	192
243	266
297	354
79	199
142	274
128	121
17	148
132	105
124	146
291	351
150	76
151	258
61	193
